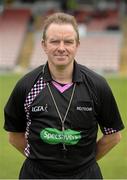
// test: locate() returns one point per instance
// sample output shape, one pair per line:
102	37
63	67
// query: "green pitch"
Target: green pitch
113	165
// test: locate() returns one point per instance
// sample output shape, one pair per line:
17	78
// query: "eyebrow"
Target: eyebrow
65	39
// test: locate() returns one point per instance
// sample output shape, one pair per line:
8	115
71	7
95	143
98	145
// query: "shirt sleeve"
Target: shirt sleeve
109	116
14	112
15	119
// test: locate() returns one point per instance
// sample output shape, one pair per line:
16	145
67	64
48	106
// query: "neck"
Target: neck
61	74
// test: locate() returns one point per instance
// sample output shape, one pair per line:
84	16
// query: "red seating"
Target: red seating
100	20
100	52
13	26
38	56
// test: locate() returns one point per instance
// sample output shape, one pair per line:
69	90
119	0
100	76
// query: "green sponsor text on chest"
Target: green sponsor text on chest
55	136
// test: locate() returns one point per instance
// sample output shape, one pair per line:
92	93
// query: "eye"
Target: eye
69	42
54	42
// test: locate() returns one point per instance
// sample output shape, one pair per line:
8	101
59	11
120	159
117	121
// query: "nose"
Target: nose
61	47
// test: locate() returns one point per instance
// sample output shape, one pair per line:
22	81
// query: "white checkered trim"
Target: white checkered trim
29	99
33	93
108	131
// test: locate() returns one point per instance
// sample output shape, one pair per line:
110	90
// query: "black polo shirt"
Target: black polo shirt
31	109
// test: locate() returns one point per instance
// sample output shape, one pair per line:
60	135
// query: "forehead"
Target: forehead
60	30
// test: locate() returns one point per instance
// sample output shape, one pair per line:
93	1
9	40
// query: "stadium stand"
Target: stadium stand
100	45
38	56
99	51
99	20
101	38
123	62
13	26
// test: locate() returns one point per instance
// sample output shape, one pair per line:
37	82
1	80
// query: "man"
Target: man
54	111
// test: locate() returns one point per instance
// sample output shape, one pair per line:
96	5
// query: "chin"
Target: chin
61	61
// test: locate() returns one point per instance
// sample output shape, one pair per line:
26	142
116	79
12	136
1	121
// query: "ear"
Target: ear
44	46
78	43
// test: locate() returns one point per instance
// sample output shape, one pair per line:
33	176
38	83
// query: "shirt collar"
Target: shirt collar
76	73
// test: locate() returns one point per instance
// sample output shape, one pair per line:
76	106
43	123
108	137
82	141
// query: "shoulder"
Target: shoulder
32	75
92	76
24	85
29	79
96	83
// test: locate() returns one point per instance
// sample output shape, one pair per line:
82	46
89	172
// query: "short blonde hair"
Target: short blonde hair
60	18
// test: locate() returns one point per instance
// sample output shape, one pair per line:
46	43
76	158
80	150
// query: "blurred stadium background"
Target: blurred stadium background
103	34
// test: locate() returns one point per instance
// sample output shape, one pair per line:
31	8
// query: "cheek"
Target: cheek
48	50
73	50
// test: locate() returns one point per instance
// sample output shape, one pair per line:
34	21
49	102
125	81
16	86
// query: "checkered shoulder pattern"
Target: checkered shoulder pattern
40	84
108	131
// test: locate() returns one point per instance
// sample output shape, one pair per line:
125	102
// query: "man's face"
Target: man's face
60	44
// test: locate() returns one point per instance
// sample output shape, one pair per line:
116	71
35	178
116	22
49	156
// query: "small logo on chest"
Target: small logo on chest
83	108
40	108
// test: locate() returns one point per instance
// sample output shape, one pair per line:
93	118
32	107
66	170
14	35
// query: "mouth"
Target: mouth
60	55
61	58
